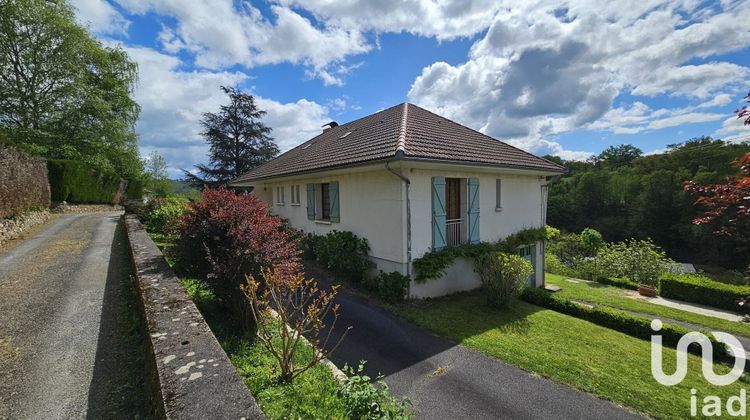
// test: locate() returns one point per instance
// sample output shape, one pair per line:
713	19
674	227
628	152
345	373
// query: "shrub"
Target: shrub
620	282
134	191
592	241
301	309
617	320
503	276
553	265
77	182
343	253
640	261
699	289
391	287
165	215
23	182
226	236
364	400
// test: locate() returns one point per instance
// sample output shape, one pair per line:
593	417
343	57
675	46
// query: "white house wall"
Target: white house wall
521	209
370	204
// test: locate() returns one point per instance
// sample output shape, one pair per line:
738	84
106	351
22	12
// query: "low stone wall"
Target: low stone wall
195	379
20	224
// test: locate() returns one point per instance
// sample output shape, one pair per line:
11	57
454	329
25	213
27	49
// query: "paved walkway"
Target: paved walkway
448	381
695	308
69	344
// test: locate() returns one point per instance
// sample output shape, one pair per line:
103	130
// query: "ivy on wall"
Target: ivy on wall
433	264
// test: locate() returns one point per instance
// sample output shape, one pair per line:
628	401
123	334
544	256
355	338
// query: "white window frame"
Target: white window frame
295	199
280	195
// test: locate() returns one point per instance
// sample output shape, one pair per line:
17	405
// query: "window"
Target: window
498	194
280	195
294	191
325	201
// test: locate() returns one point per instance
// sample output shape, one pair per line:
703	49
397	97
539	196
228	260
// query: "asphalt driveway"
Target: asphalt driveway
70	345
444	380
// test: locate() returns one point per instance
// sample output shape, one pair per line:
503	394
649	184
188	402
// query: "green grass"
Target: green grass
314	394
594	359
619	298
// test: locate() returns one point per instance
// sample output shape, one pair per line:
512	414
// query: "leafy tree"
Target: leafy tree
62	93
155	170
645	198
617	156
239	140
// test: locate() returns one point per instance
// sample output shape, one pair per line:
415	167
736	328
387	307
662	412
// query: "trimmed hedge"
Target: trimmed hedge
620	282
76	182
632	325
134	190
698	289
23	182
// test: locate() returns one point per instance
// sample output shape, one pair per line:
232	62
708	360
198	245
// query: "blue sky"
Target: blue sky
561	77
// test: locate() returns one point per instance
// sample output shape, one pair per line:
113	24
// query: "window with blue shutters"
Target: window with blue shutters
323	202
438	213
473	210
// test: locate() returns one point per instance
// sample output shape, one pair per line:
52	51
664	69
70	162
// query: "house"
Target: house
410	181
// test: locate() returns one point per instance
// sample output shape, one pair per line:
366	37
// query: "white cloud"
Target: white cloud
222	33
549	67
446	19
101	17
173	101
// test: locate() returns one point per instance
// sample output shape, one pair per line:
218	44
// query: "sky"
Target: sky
567	78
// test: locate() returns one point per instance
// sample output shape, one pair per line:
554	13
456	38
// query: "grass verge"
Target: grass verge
595	359
620	298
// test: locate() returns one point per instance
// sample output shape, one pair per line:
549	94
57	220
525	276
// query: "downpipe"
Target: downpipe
407	182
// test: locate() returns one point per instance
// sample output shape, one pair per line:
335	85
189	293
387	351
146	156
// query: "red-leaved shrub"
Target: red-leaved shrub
226	236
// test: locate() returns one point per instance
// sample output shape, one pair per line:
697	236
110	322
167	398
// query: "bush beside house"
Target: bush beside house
23	182
698	289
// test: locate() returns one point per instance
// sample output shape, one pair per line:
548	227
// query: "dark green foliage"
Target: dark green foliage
623	195
342	252
390	287
364	400
77	182
620	282
134	190
63	93
23	182
698	289
433	264
617	320
239	140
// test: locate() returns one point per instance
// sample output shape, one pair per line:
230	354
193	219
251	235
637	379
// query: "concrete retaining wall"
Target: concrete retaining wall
195	379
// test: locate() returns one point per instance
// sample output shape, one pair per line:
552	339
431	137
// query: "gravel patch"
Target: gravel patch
16	226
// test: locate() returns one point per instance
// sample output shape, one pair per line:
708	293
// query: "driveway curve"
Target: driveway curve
445	380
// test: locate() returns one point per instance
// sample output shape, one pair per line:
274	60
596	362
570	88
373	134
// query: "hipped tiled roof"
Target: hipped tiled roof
404	131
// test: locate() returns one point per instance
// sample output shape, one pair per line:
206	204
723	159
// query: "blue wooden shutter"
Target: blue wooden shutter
311	201
438	212
473	216
333	190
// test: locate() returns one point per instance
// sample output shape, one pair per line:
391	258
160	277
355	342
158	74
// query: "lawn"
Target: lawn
619	298
594	359
312	395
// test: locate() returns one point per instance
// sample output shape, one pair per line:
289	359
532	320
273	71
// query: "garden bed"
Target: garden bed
314	394
615	297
